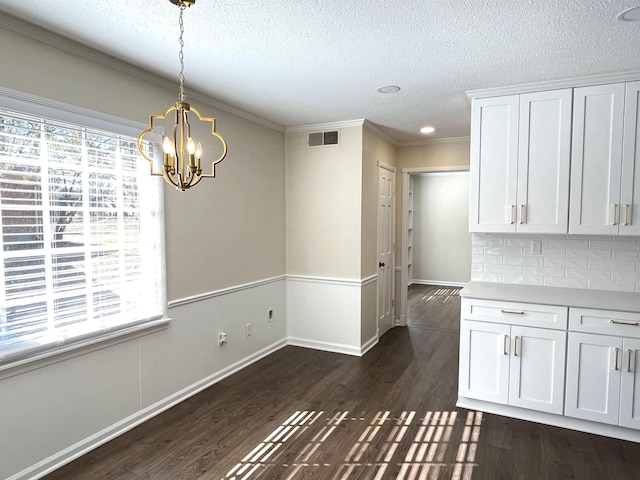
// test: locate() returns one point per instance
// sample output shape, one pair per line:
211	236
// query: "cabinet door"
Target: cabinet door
593	377
630	186
630	387
484	361
493	175
544	155
536	373
596	159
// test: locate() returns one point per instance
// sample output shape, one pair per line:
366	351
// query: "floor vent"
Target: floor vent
321	139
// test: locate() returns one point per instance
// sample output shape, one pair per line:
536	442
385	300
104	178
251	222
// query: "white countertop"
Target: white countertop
567	297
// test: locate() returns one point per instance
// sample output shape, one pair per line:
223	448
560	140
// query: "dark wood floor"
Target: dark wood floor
389	415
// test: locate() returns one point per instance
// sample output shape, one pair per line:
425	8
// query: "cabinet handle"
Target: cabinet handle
625	208
614	214
512	211
521	215
504	345
515	346
629	352
629	324
515	312
617	364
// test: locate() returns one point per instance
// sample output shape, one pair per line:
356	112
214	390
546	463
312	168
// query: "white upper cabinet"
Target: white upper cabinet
630	185
493	172
596	164
520	155
544	156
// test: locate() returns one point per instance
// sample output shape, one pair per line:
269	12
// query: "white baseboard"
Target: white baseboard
67	455
439	283
368	345
334	347
324	346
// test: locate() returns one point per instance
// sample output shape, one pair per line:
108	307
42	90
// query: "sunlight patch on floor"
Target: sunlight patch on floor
407	446
442	294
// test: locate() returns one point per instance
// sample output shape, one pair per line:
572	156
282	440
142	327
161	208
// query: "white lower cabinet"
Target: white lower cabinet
571	367
603	379
512	364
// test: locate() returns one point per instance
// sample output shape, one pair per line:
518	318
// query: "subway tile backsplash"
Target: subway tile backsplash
599	263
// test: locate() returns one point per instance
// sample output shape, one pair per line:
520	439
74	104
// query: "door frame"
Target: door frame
404	252
392	269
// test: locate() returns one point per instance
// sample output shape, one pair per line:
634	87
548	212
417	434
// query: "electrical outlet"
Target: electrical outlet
270	315
222	339
248	330
536	247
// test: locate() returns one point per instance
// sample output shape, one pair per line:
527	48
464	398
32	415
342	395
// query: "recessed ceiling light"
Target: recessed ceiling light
388	89
630	15
427	130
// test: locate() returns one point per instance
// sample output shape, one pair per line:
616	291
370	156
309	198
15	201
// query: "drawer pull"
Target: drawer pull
504	346
515	312
515	346
629	324
629	352
617	364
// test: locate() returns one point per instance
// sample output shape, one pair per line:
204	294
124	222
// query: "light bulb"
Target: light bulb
191	147
167	146
199	151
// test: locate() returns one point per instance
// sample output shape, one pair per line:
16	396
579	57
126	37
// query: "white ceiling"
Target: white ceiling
299	62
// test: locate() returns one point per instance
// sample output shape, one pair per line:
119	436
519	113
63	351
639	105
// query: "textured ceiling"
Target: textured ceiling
301	62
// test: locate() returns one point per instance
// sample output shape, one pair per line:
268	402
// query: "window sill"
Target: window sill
81	347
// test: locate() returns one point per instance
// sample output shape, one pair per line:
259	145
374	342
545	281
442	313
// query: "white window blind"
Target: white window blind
82	234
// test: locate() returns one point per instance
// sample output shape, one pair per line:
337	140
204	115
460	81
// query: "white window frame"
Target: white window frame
33	356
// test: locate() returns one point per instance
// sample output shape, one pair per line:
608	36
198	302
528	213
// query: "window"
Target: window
82	234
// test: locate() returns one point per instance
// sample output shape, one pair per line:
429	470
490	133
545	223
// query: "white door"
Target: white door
494	152
544	154
386	231
593	377
598	114
484	361
630	388
536	372
630	195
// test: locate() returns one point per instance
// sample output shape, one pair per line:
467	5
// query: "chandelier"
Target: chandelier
182	154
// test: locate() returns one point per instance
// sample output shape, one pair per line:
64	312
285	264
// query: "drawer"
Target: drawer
606	322
525	314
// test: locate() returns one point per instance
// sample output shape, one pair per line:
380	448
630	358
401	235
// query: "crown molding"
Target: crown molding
435	141
555	84
377	131
55	40
315	127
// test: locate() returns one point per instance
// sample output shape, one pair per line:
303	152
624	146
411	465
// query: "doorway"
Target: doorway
436	246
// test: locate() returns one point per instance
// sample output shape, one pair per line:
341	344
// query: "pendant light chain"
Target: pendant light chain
183	155
181	96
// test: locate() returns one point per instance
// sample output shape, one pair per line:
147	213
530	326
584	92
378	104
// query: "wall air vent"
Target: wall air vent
321	139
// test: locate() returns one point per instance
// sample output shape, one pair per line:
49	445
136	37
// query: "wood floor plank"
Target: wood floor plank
307	414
